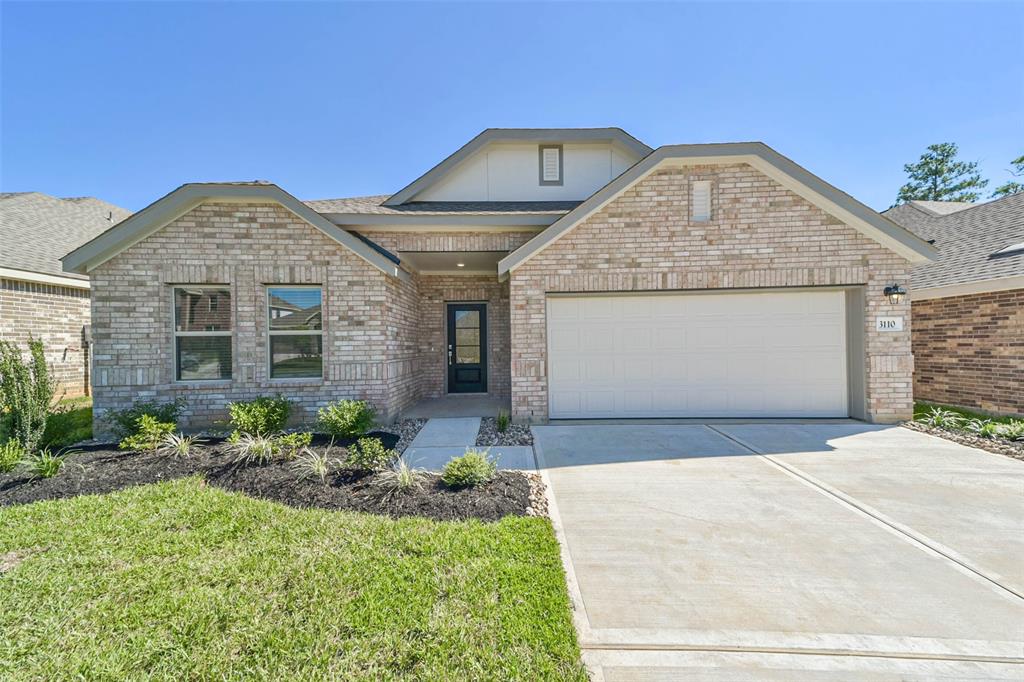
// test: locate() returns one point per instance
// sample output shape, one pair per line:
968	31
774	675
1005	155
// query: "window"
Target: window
701	200
296	332
551	164
202	333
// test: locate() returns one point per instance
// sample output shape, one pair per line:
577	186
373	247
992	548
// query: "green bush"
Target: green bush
942	418
46	463
149	435
11	454
178	445
250	448
69	422
125	423
346	418
260	417
503	421
1014	430
312	464
471	469
26	392
986	428
369	454
291	444
400	478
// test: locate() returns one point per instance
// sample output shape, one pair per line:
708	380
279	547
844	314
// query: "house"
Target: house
968	304
575	273
37	298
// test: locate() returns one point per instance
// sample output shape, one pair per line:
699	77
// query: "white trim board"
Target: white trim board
42	278
968	288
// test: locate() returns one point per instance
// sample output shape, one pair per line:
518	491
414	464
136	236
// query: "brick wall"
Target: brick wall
56	315
969	351
760	235
368	317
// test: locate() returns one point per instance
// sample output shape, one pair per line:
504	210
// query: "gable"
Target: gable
161	212
782	171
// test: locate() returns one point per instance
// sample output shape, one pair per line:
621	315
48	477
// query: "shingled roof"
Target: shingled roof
967	239
374	205
36	229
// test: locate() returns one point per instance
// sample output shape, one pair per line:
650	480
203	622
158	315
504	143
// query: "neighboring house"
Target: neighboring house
37	298
968	304
576	272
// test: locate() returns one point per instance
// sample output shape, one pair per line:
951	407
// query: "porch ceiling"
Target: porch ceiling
447	262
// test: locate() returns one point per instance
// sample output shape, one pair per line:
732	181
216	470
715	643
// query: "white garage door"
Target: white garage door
698	355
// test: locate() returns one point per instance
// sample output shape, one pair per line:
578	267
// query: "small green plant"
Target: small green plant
26	392
11	454
260	417
941	418
178	445
291	444
311	464
250	448
503	421
1014	430
345	418
400	478
986	428
369	454
125	423
149	434
46	464
471	469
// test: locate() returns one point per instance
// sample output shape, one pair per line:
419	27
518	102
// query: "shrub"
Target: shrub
400	478
986	428
250	448
11	453
46	464
26	392
942	418
291	444
149	434
125	423
369	454
178	445
503	421
70	422
346	418
311	464
260	417
1013	430
471	469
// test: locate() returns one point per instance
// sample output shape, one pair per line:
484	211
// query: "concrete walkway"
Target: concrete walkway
788	551
440	439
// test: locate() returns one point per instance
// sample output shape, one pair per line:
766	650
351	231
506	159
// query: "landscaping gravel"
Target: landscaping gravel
406	430
538	496
515	434
999	446
103	468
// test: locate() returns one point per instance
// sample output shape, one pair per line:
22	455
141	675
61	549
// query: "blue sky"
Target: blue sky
126	101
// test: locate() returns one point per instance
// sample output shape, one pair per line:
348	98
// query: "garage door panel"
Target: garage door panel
705	355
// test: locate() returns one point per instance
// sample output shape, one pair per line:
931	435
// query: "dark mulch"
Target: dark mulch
102	468
999	446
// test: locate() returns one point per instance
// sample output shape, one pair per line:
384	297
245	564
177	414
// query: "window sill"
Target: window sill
203	383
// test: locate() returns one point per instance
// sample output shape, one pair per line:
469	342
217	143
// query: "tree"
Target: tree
1012	186
939	176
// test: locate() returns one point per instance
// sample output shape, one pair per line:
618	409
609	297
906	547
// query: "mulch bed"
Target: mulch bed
515	434
102	468
999	446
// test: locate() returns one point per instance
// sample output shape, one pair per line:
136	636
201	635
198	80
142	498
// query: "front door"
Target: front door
467	348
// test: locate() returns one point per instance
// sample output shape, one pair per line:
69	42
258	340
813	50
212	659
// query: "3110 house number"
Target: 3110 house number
889	324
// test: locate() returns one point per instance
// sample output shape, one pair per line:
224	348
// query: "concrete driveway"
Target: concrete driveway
788	551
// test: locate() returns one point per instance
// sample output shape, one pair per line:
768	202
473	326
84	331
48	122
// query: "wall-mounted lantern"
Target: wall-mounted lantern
895	293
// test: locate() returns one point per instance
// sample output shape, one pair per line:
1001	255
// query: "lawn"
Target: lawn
69	423
183	580
921	407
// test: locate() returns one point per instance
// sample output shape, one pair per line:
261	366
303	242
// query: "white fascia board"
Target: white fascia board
966	289
43	278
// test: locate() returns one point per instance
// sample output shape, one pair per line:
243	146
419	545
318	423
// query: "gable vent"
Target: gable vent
551	164
701	209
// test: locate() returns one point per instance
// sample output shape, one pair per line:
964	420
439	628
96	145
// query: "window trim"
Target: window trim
289	332
175	334
694	217
561	165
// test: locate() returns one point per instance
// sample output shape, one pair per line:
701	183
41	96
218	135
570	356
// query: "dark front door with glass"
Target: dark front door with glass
467	348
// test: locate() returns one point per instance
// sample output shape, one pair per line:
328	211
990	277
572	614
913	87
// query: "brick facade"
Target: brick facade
58	316
969	351
760	235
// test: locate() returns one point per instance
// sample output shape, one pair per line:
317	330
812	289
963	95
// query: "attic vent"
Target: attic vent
701	209
551	164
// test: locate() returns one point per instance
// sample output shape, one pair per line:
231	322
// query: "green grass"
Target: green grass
921	407
70	423
183	581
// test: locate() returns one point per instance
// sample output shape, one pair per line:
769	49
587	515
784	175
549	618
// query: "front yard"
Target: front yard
184	580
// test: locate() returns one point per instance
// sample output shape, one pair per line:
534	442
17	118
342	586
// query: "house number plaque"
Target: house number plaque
889	324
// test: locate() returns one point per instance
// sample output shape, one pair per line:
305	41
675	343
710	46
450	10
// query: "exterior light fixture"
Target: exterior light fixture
895	293
462	265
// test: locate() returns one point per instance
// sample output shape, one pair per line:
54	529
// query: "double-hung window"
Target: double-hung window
295	320
202	332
